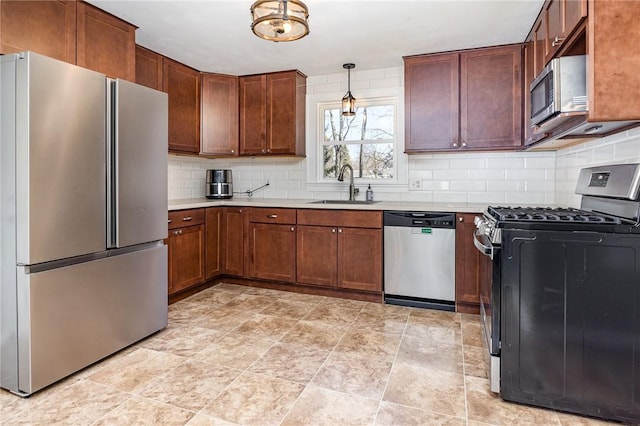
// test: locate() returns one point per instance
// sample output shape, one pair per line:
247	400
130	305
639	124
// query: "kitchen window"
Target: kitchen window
365	140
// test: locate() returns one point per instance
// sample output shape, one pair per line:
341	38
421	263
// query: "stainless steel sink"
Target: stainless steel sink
341	202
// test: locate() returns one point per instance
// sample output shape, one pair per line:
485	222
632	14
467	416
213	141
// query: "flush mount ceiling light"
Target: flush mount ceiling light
348	102
280	20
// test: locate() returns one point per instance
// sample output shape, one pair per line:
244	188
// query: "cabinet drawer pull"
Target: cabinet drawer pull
186	219
272	216
557	41
178	232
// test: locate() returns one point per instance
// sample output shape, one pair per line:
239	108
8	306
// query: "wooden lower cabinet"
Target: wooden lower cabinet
272	251
339	256
186	252
468	265
232	243
317	255
360	259
213	228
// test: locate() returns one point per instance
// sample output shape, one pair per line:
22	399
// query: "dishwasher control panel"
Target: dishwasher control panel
420	219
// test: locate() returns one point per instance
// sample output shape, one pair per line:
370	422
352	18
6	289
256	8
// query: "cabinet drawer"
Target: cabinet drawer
180	218
348	218
271	215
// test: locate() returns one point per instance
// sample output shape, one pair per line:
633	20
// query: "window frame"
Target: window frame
316	105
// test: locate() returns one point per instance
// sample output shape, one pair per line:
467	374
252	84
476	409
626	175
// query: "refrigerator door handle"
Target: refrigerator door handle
112	147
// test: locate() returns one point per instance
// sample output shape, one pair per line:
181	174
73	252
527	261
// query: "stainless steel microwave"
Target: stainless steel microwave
561	87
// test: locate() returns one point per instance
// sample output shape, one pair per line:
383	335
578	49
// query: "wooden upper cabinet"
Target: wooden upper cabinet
431	102
253	114
182	83
539	43
148	68
272	114
219	115
285	113
469	100
562	17
45	27
105	43
613	60
491	98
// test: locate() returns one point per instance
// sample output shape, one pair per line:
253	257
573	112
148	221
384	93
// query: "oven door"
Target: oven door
490	304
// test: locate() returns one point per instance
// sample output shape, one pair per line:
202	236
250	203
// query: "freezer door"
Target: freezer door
71	317
139	202
60	148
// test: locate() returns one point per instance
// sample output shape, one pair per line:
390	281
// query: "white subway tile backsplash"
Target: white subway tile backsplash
487	197
450	197
451	174
469	185
526	174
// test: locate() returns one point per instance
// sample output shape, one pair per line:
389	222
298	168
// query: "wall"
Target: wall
515	178
497	178
623	147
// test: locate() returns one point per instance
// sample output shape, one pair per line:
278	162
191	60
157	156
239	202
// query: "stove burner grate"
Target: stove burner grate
548	214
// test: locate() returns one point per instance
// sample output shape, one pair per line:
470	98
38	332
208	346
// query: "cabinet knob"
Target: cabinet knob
464	144
557	41
455	144
293	228
339	231
169	221
268	150
233	151
333	230
272	216
461	219
263	150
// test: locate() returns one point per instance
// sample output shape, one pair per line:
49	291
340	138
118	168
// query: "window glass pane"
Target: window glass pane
373	122
369	161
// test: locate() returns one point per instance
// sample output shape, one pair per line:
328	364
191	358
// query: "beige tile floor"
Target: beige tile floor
243	355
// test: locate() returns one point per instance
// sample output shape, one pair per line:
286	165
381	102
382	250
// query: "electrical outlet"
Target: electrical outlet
415	185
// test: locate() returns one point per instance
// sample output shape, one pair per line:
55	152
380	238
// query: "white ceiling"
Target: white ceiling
214	35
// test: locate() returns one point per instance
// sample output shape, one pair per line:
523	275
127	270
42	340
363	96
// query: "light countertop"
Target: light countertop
193	203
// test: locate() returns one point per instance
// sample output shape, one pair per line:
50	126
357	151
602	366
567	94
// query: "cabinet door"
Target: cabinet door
253	112
213	229
148	68
219	114
45	27
574	12
431	102
183	86
105	43
491	98
186	259
554	11
317	255
539	43
232	253
272	251
360	259
282	113
467	266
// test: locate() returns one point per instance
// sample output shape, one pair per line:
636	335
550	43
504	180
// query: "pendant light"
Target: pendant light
280	20
348	102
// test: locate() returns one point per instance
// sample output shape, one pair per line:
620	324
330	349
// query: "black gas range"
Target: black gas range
561	310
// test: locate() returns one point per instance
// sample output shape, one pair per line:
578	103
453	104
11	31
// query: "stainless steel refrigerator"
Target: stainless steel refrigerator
83	211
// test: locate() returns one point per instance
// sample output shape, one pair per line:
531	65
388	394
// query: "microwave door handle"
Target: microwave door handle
484	249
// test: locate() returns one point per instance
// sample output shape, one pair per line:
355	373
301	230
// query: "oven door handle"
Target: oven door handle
484	249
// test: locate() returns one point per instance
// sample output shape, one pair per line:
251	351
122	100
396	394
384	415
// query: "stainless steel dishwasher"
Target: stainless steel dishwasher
419	259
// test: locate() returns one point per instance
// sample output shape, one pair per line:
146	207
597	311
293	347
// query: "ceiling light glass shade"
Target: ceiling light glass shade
280	20
348	101
348	104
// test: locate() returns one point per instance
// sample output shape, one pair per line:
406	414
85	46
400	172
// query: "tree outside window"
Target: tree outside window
365	140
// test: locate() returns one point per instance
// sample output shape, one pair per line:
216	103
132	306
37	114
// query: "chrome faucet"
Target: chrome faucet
352	188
